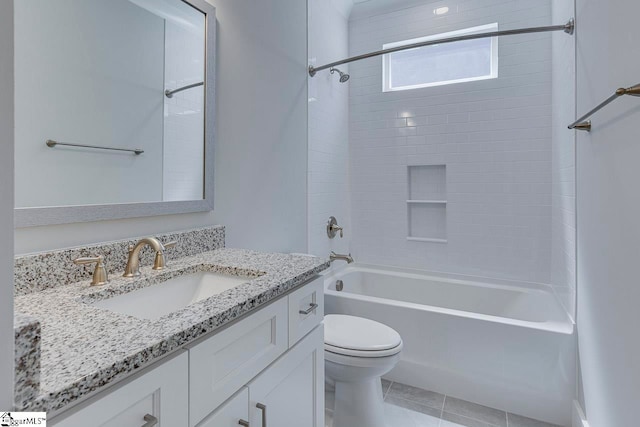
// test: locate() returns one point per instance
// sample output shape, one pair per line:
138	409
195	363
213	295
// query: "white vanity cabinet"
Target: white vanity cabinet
159	398
265	370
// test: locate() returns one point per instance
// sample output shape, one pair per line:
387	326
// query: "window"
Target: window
441	64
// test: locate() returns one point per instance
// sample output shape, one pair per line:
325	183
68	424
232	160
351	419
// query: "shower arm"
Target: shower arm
567	28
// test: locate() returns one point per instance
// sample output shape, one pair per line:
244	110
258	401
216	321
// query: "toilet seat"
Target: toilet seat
359	337
367	354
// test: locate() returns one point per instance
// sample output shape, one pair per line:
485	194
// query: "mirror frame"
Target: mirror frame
39	216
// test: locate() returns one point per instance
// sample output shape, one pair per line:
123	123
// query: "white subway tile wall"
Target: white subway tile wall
494	136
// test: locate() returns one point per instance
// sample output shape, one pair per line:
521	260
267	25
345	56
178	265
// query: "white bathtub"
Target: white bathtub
502	344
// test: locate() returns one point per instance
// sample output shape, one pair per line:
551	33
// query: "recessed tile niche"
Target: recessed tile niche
427	203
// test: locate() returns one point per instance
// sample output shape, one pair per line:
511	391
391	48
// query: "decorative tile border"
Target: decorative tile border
40	271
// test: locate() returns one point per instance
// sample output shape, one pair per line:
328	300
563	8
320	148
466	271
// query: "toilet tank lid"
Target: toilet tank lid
358	333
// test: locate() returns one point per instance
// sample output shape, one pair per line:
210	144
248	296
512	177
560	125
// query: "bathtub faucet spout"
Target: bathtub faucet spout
334	256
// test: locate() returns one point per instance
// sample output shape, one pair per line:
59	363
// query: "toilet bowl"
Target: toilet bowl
357	353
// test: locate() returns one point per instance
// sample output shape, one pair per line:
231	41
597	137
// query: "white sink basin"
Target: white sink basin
175	294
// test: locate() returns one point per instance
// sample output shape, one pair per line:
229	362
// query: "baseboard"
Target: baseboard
578	417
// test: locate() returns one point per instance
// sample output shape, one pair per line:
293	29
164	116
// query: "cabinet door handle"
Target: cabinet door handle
263	408
150	420
243	423
312	307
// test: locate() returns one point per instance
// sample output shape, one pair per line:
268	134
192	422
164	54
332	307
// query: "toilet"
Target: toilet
357	353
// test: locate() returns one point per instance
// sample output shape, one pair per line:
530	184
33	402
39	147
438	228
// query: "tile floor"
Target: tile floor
407	406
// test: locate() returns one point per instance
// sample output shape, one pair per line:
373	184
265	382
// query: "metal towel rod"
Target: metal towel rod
567	28
51	143
169	93
583	124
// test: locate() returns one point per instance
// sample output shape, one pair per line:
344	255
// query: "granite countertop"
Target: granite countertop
84	348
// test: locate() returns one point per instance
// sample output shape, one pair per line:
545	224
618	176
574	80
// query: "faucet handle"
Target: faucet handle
159	263
333	228
100	276
170	244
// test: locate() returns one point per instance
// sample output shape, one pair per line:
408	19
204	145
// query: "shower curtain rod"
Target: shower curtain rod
567	28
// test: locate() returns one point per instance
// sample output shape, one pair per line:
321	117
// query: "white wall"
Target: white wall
261	141
6	207
261	152
67	93
608	212
493	135
328	128
563	183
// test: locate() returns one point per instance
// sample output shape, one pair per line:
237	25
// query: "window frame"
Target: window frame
387	72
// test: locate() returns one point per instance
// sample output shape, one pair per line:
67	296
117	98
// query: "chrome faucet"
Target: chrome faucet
334	256
133	263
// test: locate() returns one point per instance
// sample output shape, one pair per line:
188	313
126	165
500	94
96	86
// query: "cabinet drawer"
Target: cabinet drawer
221	365
306	309
161	393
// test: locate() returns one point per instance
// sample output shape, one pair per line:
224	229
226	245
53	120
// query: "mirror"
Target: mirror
113	109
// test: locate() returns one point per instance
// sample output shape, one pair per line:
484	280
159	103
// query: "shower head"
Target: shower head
343	76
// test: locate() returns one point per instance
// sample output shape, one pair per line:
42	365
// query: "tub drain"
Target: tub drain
339	285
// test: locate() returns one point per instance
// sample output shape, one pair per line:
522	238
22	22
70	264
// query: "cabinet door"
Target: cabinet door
160	394
290	393
231	413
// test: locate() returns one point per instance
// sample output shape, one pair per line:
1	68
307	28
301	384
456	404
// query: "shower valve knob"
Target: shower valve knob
333	228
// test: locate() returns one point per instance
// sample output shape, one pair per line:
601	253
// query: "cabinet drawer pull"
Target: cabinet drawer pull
312	307
150	420
243	423
263	408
